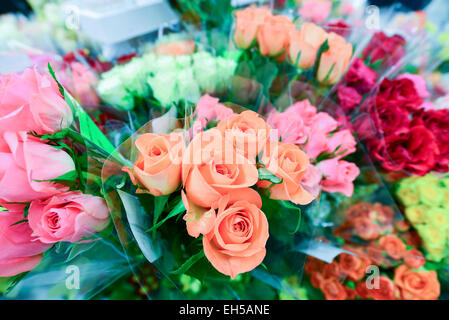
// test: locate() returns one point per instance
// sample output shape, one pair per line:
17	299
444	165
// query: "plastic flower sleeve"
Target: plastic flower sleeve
160	235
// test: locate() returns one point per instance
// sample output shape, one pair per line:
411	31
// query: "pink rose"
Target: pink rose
31	101
316	10
317	144
306	111
68	216
324	123
418	82
344	141
208	108
82	83
25	162
290	126
18	251
311	180
348	98
339	176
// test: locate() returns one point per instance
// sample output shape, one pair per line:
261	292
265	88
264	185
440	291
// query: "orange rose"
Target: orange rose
393	246
414	259
212	167
334	61
332	270
158	167
289	163
316	278
386	291
333	289
236	244
417	285
198	220
366	229
179	48
353	266
247	131
274	35
304	45
247	24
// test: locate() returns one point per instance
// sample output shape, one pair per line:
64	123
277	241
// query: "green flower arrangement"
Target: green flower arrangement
166	78
426	206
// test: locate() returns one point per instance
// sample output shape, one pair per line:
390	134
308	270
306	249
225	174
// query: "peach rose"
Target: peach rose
158	167
178	48
333	289
365	228
247	24
31	101
212	168
393	246
25	162
198	220
289	163
68	216
18	251
304	45
236	244
333	62
248	131
353	266
417	285
274	35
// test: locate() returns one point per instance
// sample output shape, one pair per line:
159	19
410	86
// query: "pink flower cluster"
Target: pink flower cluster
31	102
324	142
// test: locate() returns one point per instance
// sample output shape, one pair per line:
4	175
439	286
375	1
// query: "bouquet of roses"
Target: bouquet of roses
228	175
396	268
425	206
50	186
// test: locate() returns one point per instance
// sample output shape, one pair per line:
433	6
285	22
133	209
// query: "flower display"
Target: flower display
223	150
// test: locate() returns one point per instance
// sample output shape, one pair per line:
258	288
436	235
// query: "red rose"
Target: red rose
415	151
339	27
437	121
390	118
399	92
348	98
385	291
381	46
360	77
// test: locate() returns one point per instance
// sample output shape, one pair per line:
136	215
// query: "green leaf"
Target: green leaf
159	205
88	129
19	222
179	208
70	176
264	174
289	205
189	263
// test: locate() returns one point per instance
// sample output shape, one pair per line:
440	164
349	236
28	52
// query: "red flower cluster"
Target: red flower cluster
388	245
359	80
382	47
408	137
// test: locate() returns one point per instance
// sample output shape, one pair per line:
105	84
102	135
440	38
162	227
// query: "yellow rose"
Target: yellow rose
430	193
433	236
407	195
416	214
438	217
